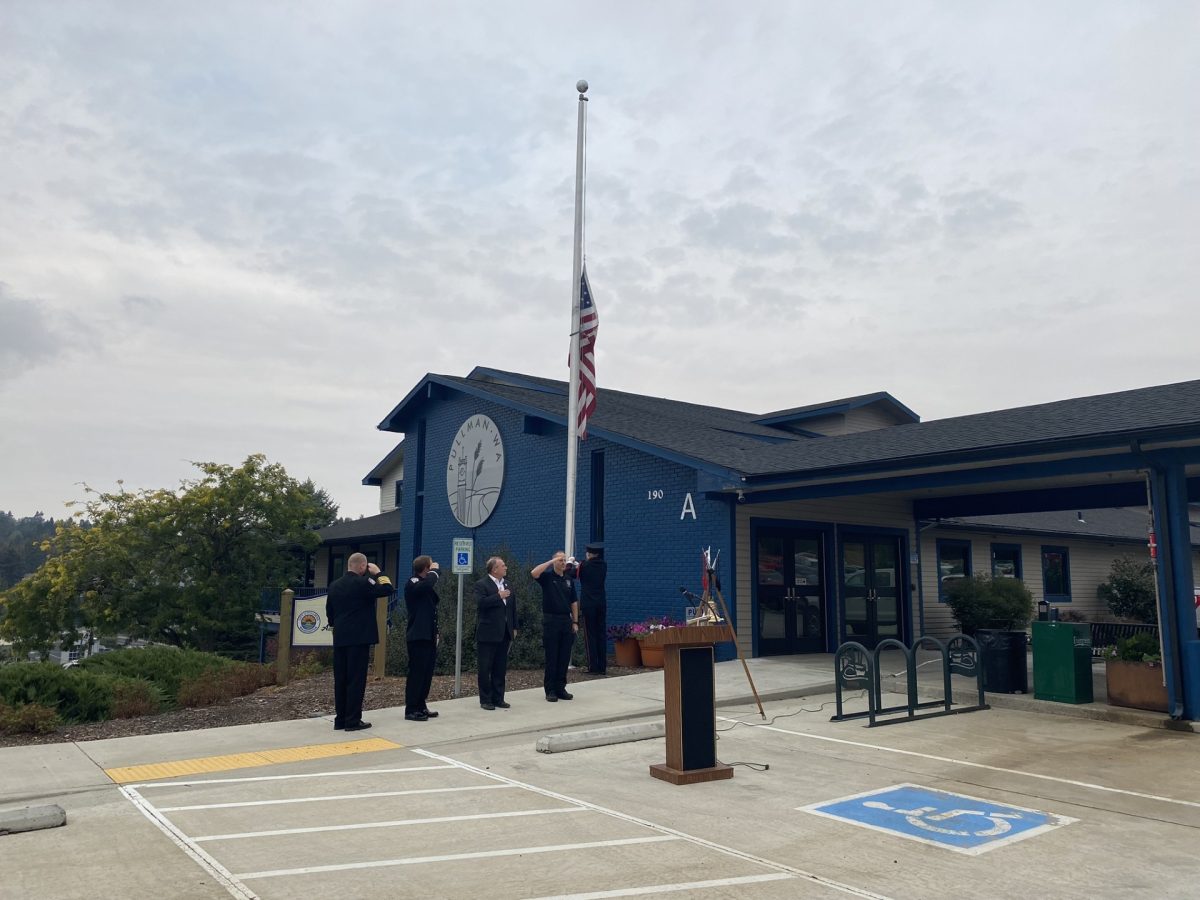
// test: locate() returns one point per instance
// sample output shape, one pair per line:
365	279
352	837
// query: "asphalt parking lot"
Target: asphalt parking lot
1002	801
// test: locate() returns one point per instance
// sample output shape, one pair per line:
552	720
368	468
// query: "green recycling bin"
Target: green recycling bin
1062	662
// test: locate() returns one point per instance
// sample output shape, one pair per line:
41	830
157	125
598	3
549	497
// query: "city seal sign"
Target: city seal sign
309	622
475	471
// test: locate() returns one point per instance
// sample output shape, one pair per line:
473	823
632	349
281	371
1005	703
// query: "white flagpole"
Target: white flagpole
577	275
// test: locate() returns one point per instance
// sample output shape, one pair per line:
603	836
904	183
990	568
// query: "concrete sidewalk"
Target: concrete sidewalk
110	846
40	772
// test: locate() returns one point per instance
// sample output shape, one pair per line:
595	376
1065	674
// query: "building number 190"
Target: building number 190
654	495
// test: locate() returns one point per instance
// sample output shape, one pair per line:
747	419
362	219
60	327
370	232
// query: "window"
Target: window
399	491
954	562
1056	574
1006	561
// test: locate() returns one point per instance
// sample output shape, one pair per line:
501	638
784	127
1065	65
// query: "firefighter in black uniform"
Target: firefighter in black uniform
560	621
592	573
350	608
421	608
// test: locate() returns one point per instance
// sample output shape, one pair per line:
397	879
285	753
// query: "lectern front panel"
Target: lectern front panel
697	707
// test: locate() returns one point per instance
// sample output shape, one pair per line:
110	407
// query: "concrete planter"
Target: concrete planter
1137	685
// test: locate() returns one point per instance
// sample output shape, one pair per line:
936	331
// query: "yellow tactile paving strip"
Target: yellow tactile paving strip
207	764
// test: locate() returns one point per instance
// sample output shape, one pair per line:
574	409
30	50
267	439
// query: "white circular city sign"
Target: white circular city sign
475	471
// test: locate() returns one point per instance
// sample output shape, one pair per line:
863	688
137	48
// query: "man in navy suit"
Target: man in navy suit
350	608
495	631
421	603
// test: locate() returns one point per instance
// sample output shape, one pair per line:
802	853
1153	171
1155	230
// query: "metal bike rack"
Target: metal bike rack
857	667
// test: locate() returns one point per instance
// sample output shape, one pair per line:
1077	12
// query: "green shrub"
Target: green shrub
165	667
985	602
235	680
1138	648
307	663
133	697
1129	590
75	695
29	718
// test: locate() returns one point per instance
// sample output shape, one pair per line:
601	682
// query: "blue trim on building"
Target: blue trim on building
1116	462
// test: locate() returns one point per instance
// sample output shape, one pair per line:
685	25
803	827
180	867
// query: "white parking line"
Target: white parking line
442	790
397	823
456	857
348	772
671	888
961	762
223	876
730	851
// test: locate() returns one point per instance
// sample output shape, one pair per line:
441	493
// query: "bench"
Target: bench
1107	634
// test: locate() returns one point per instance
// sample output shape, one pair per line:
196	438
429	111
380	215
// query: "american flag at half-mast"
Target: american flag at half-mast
589	324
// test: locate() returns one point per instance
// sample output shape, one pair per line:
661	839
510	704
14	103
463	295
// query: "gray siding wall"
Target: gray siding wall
387	488
1090	564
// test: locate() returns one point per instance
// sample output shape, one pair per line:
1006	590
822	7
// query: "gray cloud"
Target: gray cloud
27	338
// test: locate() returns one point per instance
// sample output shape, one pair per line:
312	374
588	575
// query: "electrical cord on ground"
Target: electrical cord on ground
797	712
757	767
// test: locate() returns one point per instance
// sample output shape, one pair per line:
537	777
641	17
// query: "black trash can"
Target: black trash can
1005	669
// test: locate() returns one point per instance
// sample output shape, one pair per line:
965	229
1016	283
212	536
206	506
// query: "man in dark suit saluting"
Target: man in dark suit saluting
494	632
350	608
421	602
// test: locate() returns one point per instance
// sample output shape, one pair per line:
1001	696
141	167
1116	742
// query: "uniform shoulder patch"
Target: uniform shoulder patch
414	579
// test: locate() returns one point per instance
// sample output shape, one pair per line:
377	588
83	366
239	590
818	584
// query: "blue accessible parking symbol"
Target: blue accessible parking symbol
954	821
464	559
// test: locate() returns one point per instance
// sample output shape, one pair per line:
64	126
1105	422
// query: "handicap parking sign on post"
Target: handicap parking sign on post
953	821
463	550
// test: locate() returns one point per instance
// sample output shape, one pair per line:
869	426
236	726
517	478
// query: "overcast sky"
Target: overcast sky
229	228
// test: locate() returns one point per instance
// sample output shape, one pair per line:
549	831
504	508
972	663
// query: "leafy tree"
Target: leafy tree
20	545
1129	590
185	567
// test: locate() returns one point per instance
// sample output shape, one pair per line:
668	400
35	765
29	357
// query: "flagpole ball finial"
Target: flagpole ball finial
581	86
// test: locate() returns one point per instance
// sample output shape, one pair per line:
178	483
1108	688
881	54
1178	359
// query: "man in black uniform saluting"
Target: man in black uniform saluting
560	622
350	608
421	603
592	573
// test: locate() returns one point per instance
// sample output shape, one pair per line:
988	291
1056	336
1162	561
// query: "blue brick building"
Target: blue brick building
836	521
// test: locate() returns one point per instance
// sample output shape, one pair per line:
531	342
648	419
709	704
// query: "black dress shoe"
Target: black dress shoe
487	705
551	698
337	727
563	695
431	714
358	726
503	705
416	717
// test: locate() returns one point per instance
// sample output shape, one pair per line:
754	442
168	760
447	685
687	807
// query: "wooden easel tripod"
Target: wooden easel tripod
706	612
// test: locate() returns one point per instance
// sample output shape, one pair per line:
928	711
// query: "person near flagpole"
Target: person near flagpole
560	621
594	603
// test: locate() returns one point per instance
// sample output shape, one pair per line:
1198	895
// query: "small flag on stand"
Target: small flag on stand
589	325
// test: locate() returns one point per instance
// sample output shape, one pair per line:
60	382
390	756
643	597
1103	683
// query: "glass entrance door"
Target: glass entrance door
790	570
871	588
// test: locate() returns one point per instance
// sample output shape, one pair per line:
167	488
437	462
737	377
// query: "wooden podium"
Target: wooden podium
690	701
